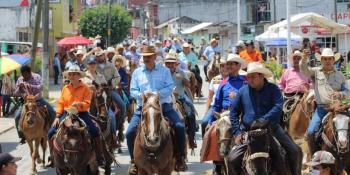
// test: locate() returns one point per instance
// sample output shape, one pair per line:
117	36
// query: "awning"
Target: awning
166	23
196	28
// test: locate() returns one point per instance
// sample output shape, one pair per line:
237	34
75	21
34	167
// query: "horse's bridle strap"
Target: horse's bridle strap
258	155
328	142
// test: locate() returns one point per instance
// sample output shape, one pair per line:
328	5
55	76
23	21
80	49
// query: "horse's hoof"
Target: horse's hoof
38	161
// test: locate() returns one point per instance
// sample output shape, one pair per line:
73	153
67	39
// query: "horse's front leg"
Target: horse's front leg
44	146
32	154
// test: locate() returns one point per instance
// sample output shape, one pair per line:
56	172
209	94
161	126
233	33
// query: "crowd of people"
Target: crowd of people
241	87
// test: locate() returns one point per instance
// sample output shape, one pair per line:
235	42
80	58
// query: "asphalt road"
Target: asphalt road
9	141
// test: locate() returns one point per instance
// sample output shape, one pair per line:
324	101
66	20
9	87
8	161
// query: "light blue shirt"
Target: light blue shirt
209	52
134	56
179	86
159	79
190	57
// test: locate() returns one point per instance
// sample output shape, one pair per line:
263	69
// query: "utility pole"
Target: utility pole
336	20
46	54
289	48
238	20
274	11
179	3
109	32
36	32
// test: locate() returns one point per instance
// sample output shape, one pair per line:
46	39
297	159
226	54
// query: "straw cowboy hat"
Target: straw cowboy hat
109	50
328	52
98	37
238	59
186	45
74	68
297	53
171	57
80	52
118	58
213	40
256	67
148	51
99	53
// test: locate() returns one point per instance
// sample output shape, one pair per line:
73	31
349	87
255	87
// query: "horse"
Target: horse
299	118
72	147
263	155
100	116
130	68
335	135
154	149
195	85
213	67
35	123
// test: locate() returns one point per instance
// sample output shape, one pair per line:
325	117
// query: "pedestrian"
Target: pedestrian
6	92
8	164
56	67
322	163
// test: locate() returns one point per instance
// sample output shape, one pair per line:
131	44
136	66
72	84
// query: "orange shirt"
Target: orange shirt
69	95
254	56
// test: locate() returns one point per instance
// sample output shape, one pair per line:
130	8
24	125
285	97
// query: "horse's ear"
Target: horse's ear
158	96
217	115
144	99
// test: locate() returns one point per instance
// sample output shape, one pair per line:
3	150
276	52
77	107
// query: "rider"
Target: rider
329	85
213	87
132	54
250	54
30	83
189	57
78	95
110	52
258	103
181	81
150	79
108	70
77	60
209	54
240	47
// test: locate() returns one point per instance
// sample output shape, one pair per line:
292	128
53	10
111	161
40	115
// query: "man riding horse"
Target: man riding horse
78	95
227	91
293	83
150	79
189	57
181	81
209	54
329	85
259	103
30	84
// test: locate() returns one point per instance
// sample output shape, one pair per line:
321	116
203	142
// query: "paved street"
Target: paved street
9	141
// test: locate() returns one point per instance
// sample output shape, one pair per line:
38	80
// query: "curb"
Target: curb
7	129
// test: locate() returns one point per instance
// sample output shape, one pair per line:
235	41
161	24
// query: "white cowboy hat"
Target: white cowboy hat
186	45
297	53
99	53
80	52
73	68
328	52
238	59
171	57
109	50
255	67
240	43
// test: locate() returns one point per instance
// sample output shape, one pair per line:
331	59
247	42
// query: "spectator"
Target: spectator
56	67
322	163
8	164
6	90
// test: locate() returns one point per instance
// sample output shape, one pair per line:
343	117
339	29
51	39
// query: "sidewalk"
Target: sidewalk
7	124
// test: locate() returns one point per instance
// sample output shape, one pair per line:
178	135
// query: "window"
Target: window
24	36
263	11
324	42
343	0
249	12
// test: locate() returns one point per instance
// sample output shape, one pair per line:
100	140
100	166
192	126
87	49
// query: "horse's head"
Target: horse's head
101	102
224	132
30	110
341	130
258	158
152	120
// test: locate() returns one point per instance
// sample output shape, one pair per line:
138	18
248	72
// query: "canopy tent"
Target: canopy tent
269	35
313	19
280	42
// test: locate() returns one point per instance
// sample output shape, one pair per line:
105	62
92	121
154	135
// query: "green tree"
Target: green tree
94	21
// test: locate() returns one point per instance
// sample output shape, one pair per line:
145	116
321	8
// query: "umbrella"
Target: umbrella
21	59
75	40
8	64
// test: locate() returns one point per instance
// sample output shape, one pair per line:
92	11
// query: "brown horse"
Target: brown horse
213	67
224	136
335	135
153	150
35	123
72	147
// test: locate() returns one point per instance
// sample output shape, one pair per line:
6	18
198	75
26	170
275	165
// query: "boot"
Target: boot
21	136
180	164
99	151
132	168
311	143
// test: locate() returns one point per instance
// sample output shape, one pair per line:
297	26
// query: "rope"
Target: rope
289	106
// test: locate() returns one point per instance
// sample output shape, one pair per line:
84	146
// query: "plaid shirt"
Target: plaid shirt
35	83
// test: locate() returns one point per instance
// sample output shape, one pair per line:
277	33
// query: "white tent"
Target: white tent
269	35
311	18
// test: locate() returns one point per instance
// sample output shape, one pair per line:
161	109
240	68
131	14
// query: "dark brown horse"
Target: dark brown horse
72	148
335	135
35	123
153	150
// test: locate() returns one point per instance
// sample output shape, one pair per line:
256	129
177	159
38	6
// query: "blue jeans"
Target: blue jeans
168	112
207	119
85	116
316	120
190	116
121	105
41	102
6	101
114	120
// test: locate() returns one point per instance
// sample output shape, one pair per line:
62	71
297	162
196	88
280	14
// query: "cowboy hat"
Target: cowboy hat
98	37
74	68
240	43
238	59
109	50
80	52
297	53
186	45
256	67
213	40
148	51
171	57
72	110
327	52
99	53
118	58
222	61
